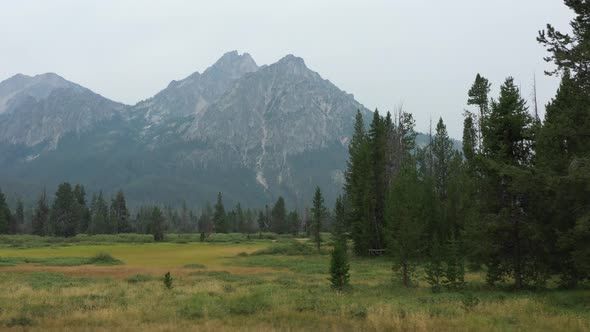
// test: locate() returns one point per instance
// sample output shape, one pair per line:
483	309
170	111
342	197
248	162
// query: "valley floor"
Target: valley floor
247	284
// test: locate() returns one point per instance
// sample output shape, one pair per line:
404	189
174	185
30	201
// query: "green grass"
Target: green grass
98	259
276	286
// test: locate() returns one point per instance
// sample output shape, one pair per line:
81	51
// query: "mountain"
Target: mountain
40	110
251	132
194	93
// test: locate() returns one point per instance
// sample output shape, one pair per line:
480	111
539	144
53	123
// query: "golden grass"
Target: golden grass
291	301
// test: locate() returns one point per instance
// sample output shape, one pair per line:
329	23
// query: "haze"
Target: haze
421	53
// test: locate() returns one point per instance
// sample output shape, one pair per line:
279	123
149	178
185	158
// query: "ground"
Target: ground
247	284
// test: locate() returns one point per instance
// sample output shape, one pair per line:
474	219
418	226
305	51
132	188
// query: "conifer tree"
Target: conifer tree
219	216
318	214
64	214
40	222
100	223
478	96
19	217
294	222
4	215
120	214
339	267
339	220
507	146
157	224
278	221
405	223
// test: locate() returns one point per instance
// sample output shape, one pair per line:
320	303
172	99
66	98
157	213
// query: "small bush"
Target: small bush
469	301
194	266
104	259
168	280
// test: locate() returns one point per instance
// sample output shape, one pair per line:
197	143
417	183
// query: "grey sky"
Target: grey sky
424	53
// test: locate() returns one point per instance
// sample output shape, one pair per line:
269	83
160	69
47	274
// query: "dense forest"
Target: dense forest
515	201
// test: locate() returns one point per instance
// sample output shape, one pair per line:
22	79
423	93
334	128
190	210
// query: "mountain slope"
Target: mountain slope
251	132
194	93
40	110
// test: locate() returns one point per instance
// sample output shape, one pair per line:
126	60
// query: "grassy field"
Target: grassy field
253	285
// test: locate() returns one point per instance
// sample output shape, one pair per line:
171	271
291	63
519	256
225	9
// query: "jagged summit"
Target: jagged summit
251	132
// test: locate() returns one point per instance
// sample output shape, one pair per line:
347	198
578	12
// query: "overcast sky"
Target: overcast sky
424	53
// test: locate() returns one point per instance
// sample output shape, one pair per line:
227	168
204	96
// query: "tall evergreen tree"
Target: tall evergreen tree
82	212
19	217
278	221
339	220
318	214
564	148
63	218
219	216
378	147
157	224
5	215
478	96
120	214
100	221
405	223
40	222
508	141
469	138
293	222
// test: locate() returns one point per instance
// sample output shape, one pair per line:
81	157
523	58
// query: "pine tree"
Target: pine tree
508	141
219	216
378	147
262	225
405	223
564	148
40	223
5	215
278	221
469	138
63	219
240	219
100	223
318	214
294	222
478	96
358	188
339	223
19	217
120	214
339	267
157	224
434	268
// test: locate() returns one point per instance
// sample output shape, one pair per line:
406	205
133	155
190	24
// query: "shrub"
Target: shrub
168	280
104	259
339	267
469	301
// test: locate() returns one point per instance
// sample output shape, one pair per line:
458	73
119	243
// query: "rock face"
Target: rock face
196	92
252	132
41	109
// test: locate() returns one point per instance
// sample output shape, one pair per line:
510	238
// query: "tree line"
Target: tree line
70	213
515	200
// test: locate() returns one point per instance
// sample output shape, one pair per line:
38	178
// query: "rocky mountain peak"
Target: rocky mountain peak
234	64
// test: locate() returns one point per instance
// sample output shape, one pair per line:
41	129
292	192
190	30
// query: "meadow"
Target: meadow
258	283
